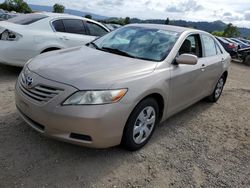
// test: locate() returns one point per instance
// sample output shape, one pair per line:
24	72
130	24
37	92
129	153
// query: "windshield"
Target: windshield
138	42
26	19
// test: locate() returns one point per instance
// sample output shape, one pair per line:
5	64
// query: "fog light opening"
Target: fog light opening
80	137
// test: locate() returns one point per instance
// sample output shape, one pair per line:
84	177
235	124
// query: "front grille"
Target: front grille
40	93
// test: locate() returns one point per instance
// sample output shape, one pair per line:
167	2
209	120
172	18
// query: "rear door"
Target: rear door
213	65
71	32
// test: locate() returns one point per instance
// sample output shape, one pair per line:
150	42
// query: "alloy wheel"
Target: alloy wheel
219	88
144	124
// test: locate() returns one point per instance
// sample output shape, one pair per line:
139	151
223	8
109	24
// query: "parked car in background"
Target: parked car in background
29	35
231	48
113	26
119	87
7	16
2	11
244	55
242	44
245	41
233	42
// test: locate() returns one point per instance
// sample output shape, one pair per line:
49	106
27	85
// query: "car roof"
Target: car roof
60	15
63	15
166	27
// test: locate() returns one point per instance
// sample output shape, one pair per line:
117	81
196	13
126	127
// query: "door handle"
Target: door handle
64	38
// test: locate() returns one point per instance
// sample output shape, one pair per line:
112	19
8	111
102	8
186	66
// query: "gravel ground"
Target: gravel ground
207	145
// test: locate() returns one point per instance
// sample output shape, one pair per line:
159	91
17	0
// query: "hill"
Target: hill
68	11
206	26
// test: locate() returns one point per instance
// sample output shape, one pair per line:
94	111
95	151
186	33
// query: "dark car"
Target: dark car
2	11
242	44
230	47
232	41
245	41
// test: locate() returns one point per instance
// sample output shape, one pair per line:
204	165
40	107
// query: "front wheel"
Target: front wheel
214	97
140	125
247	60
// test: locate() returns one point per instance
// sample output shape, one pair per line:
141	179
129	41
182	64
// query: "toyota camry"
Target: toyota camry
116	89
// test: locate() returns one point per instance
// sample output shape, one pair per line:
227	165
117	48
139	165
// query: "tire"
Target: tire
214	97
247	60
141	124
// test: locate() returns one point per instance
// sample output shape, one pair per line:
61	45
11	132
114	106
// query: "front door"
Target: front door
187	82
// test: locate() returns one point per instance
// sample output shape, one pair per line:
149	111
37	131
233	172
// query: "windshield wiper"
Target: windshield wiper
93	44
117	51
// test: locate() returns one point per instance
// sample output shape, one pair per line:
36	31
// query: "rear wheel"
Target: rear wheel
141	124
247	60
214	97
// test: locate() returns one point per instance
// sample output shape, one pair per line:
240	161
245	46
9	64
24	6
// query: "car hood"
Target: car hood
87	68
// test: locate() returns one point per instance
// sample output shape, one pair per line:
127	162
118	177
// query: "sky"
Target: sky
234	11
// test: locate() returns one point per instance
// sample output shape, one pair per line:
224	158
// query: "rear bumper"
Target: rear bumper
15	53
98	126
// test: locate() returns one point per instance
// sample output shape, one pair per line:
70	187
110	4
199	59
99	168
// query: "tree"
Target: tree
16	5
218	33
248	38
167	22
58	8
231	31
88	16
127	21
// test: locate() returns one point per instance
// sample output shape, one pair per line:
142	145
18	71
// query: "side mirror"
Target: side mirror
187	59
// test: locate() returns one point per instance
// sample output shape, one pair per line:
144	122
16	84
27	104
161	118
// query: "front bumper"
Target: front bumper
98	126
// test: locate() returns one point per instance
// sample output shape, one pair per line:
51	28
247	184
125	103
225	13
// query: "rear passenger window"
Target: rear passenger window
74	26
96	30
209	46
58	26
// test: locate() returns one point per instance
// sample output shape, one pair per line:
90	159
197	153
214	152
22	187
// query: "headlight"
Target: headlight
95	97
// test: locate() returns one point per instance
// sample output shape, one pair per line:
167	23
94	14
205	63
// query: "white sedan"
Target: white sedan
29	35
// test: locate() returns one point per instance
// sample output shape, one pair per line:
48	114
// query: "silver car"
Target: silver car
116	89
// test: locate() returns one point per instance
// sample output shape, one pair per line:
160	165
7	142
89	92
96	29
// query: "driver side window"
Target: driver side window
191	45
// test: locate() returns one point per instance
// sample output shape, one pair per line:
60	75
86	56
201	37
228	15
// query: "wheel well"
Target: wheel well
50	49
225	74
160	101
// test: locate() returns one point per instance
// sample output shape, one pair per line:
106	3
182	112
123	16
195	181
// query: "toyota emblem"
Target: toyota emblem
28	81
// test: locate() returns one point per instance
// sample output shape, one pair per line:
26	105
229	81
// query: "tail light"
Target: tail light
8	35
231	45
